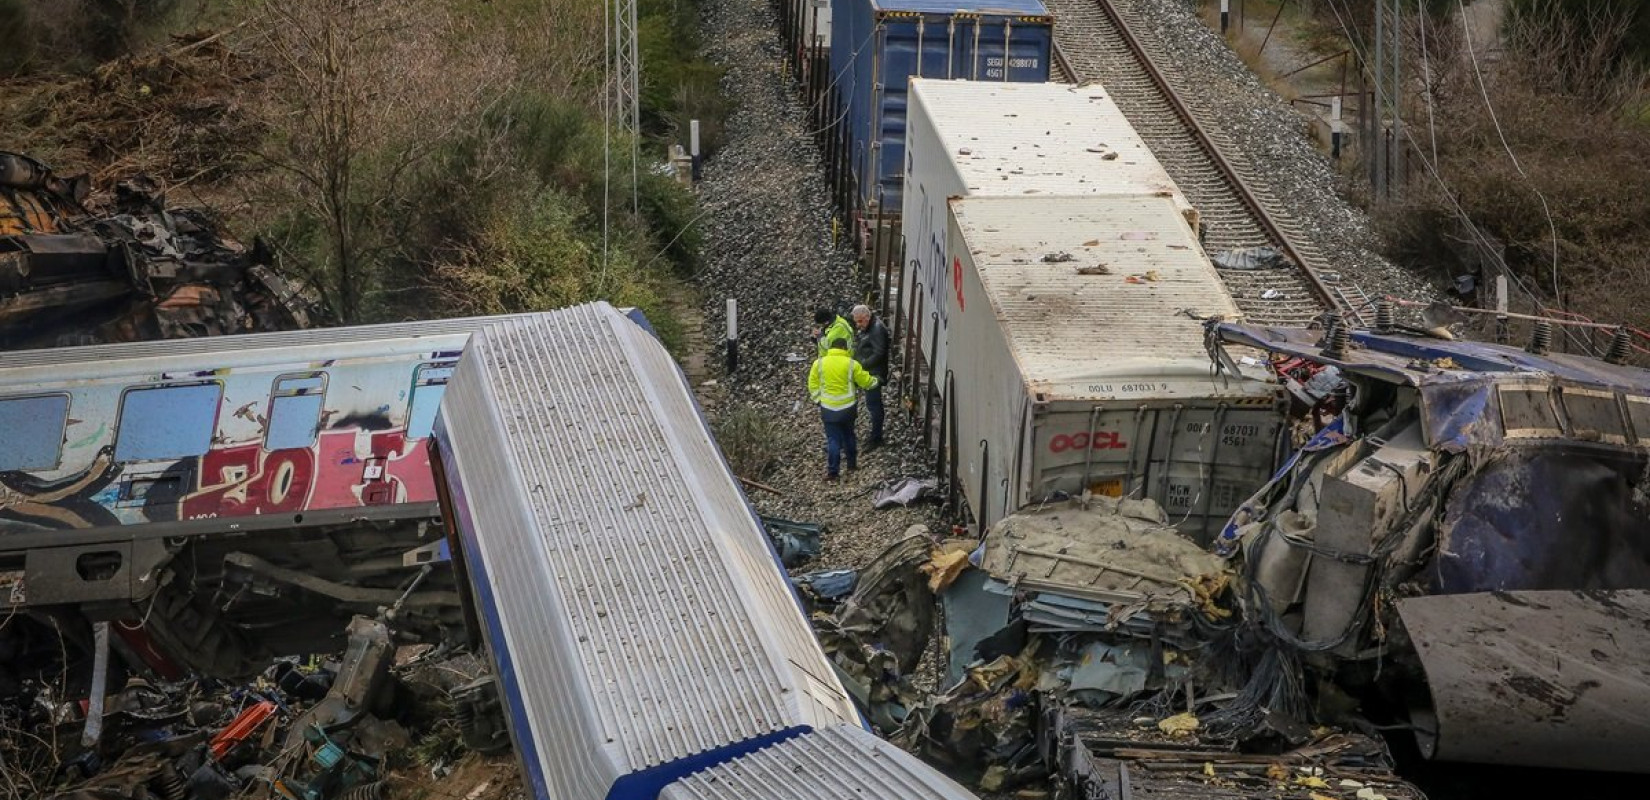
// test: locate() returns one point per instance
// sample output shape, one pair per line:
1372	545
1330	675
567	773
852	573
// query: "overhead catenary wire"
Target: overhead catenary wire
1472	55
1349	28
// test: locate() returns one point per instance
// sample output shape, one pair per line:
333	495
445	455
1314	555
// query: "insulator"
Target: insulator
366	791
172	785
1337	339
1541	337
1621	346
1386	317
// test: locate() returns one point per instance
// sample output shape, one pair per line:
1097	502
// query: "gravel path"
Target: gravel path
1262	131
767	229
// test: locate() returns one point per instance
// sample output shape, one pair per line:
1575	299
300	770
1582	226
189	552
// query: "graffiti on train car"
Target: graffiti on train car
345	468
246	479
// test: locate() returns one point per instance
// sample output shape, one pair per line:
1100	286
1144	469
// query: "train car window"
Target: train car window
31	431
295	411
429	384
167	422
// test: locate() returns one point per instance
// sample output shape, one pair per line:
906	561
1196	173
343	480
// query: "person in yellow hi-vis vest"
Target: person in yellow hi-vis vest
832	382
828	326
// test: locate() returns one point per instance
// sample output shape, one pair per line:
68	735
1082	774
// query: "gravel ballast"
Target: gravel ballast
768	244
1265	132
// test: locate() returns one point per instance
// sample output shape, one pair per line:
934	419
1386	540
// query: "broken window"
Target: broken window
31	431
1594	415
167	422
295	411
1527	411
429	384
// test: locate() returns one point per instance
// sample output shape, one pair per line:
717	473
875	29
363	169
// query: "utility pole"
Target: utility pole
627	68
1386	165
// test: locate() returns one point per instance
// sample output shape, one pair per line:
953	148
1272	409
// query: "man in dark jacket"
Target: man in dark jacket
871	351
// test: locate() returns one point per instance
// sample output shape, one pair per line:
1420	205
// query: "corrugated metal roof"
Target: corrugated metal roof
1027	7
1065	326
841	763
281	340
643	611
1040	139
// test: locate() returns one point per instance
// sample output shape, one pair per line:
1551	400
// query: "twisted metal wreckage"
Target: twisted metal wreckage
1457	545
134	271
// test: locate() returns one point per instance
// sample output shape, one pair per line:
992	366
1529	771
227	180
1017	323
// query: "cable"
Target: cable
1426	74
1353	36
1466	34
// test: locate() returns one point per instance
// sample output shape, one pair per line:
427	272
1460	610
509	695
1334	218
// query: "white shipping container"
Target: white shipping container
1078	361
973	139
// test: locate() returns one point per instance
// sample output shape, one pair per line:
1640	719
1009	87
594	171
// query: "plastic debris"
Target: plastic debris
1183	724
1251	258
904	492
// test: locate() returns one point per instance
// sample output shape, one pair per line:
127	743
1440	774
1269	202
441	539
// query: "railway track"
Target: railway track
1094	42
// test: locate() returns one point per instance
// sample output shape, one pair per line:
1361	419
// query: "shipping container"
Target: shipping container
878	45
1079	362
970	139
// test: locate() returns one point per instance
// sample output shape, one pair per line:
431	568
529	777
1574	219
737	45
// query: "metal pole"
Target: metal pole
1272	27
1397	92
1379	141
733	336
1335	128
1225	15
100	685
1501	309
693	147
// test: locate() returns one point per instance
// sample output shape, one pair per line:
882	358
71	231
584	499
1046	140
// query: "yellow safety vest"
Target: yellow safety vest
832	379
839	329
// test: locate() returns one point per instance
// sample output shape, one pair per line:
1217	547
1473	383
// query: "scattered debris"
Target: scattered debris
1097	269
133	270
904	492
796	542
1267	257
1057	258
307	728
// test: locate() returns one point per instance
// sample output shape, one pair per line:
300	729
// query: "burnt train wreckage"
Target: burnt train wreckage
133	270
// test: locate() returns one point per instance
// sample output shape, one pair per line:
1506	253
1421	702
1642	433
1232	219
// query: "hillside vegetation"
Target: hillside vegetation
410	158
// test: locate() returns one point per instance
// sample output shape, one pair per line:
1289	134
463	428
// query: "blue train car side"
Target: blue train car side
877	45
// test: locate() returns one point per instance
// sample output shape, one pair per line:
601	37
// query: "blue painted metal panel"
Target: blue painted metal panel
877	45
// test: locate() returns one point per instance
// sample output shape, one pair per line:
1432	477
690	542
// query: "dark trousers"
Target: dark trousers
873	404
839	438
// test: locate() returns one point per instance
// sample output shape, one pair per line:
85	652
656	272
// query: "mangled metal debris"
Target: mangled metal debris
1464	537
131	269
307	728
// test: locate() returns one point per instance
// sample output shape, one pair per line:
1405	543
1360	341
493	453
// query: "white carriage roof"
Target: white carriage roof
626	565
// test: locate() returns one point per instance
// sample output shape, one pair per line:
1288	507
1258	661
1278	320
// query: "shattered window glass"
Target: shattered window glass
169	422
31	431
295	411
429	384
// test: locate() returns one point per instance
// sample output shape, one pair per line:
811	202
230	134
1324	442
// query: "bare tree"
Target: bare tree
367	92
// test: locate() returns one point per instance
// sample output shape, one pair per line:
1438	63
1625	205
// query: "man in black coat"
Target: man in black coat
871	351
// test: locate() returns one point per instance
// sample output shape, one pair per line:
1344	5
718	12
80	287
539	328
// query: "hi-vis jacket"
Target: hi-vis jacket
839	329
832	379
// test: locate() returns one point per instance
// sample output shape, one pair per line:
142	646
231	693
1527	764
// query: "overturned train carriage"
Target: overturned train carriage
641	625
227	498
1467	539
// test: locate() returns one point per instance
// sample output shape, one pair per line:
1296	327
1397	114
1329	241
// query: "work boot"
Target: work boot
831	476
873	444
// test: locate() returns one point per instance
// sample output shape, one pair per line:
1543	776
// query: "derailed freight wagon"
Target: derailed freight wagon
969	139
644	635
877	46
1078	362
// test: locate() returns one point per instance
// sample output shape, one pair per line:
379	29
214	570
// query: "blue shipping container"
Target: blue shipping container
877	45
